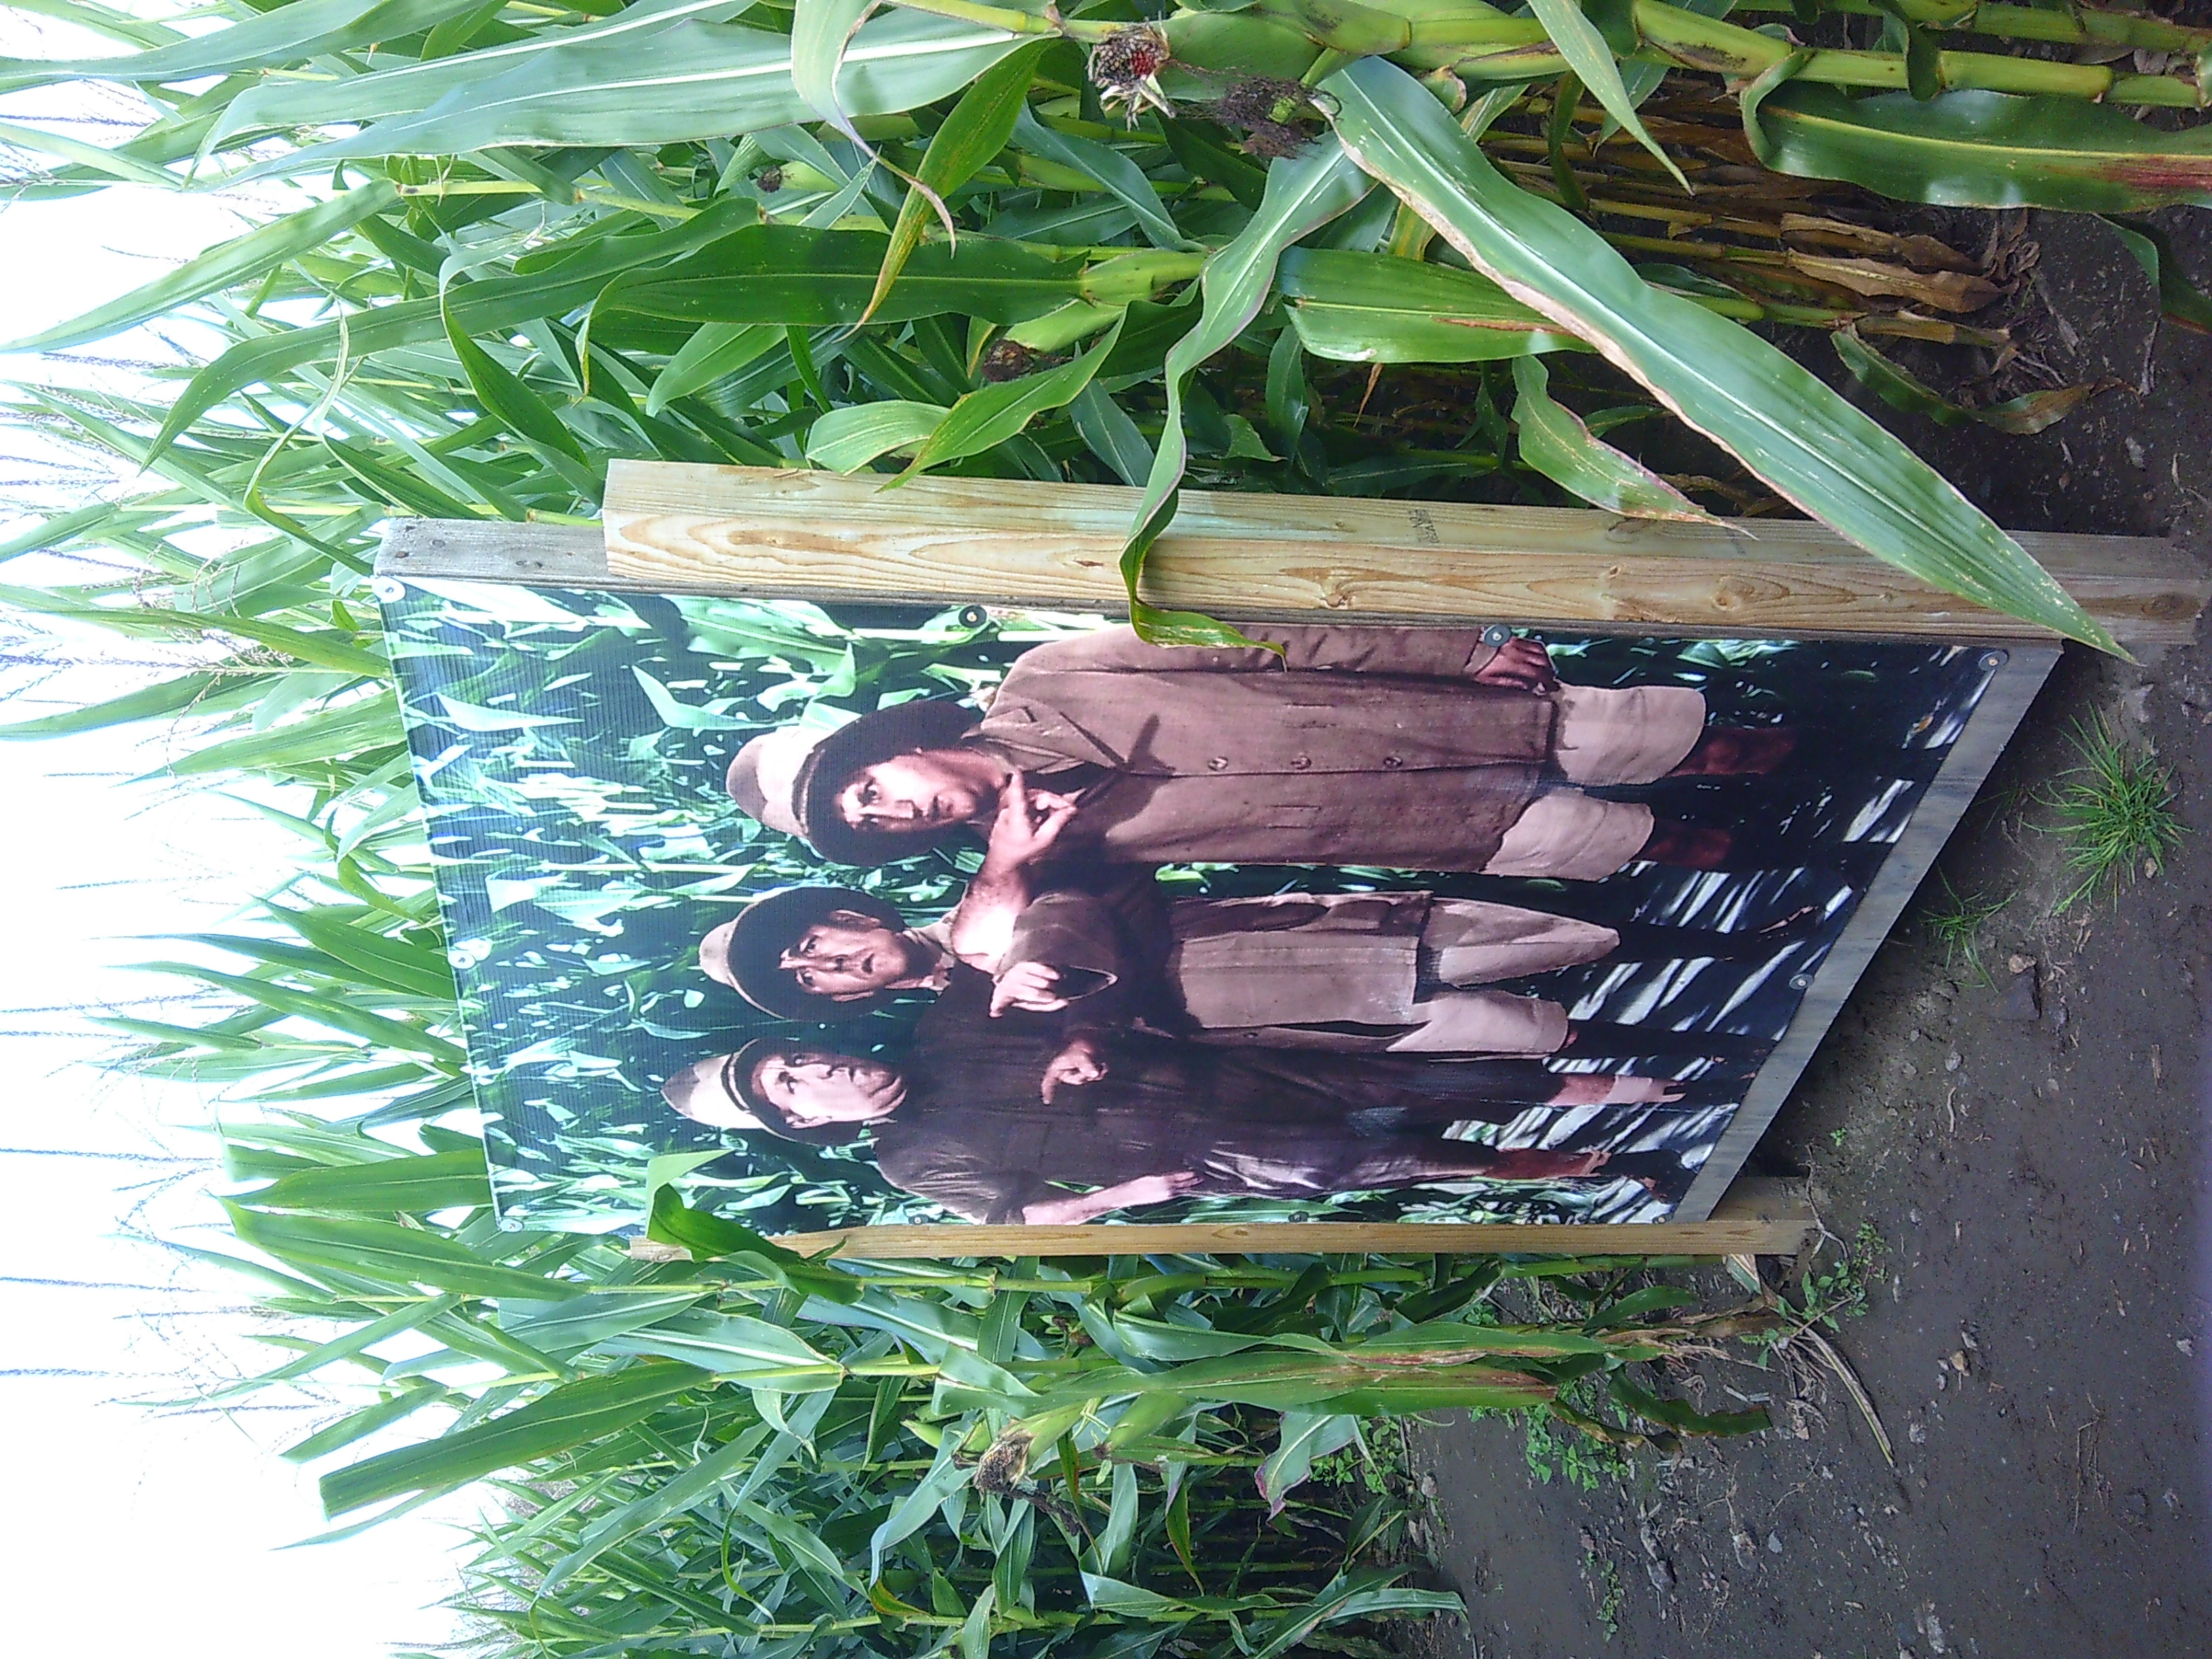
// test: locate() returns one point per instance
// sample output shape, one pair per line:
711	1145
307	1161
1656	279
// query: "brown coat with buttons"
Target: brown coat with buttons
1357	745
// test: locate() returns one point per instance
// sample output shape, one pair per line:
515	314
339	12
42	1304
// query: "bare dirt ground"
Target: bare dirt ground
2030	1149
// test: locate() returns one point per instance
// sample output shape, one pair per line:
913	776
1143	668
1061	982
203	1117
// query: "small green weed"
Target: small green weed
1955	922
1610	1596
1829	1295
1376	1463
1557	1451
1835	1135
2115	814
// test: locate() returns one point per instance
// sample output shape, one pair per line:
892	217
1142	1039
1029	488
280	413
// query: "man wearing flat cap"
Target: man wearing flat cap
1359	972
1413	748
1016	1120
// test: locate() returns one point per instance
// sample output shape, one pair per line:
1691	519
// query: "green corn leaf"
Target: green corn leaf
577	1322
846	439
1302	196
365	1422
396	1322
324	650
1377	308
717	349
710	1237
1592	62
1793	431
795	277
575	1414
2180	300
821	31
1554	441
1306	1435
992	413
500	302
696	80
419	969
1123	179
276	105
971	136
1681	1416
324	737
285	34
913	1511
672	1497
243	259
388	1253
1107	430
1900	388
335	1012
505	399
1990	150
115	163
735	1346
1362	1594
413	1186
174	697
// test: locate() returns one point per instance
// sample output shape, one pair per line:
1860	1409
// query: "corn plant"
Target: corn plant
716	1446
1110	242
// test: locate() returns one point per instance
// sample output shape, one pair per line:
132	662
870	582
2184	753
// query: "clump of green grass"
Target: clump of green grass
2115	814
1956	923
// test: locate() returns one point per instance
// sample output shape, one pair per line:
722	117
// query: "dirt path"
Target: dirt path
2032	1151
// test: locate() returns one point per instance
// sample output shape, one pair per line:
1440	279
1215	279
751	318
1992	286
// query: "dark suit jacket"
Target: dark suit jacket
974	1135
1358	745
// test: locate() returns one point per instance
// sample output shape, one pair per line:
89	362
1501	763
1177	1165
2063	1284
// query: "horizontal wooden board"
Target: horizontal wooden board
1757	1218
679	528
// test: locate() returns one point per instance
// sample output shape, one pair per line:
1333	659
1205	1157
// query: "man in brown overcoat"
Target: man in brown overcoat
1413	748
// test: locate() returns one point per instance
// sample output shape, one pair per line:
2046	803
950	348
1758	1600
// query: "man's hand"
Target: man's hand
1599	1089
1078	1063
1077	1208
1032	985
1029	820
1523	664
1156	1189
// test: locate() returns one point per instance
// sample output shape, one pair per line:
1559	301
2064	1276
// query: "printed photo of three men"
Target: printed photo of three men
920	913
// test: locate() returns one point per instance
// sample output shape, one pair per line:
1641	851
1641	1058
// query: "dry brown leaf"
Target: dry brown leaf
1945	290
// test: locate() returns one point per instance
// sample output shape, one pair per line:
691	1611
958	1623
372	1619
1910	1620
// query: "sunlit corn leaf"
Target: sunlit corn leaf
971	136
846	439
1375	308
1302	196
570	1416
694	80
1592	61
1793	431
1990	150
400	1256
280	103
414	1186
284	34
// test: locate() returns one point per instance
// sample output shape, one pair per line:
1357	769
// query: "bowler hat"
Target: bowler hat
789	778
753	943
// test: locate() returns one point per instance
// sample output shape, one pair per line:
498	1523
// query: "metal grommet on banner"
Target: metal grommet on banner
1994	660
1801	981
510	1223
973	615
1497	634
386	590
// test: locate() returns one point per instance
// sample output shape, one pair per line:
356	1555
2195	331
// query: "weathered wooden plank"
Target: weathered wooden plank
692	528
1941	804
1757	1218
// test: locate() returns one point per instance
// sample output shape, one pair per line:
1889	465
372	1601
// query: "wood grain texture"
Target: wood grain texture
1945	801
1760	1217
680	528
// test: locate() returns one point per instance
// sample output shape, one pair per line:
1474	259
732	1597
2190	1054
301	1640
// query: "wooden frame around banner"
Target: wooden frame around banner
819	536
